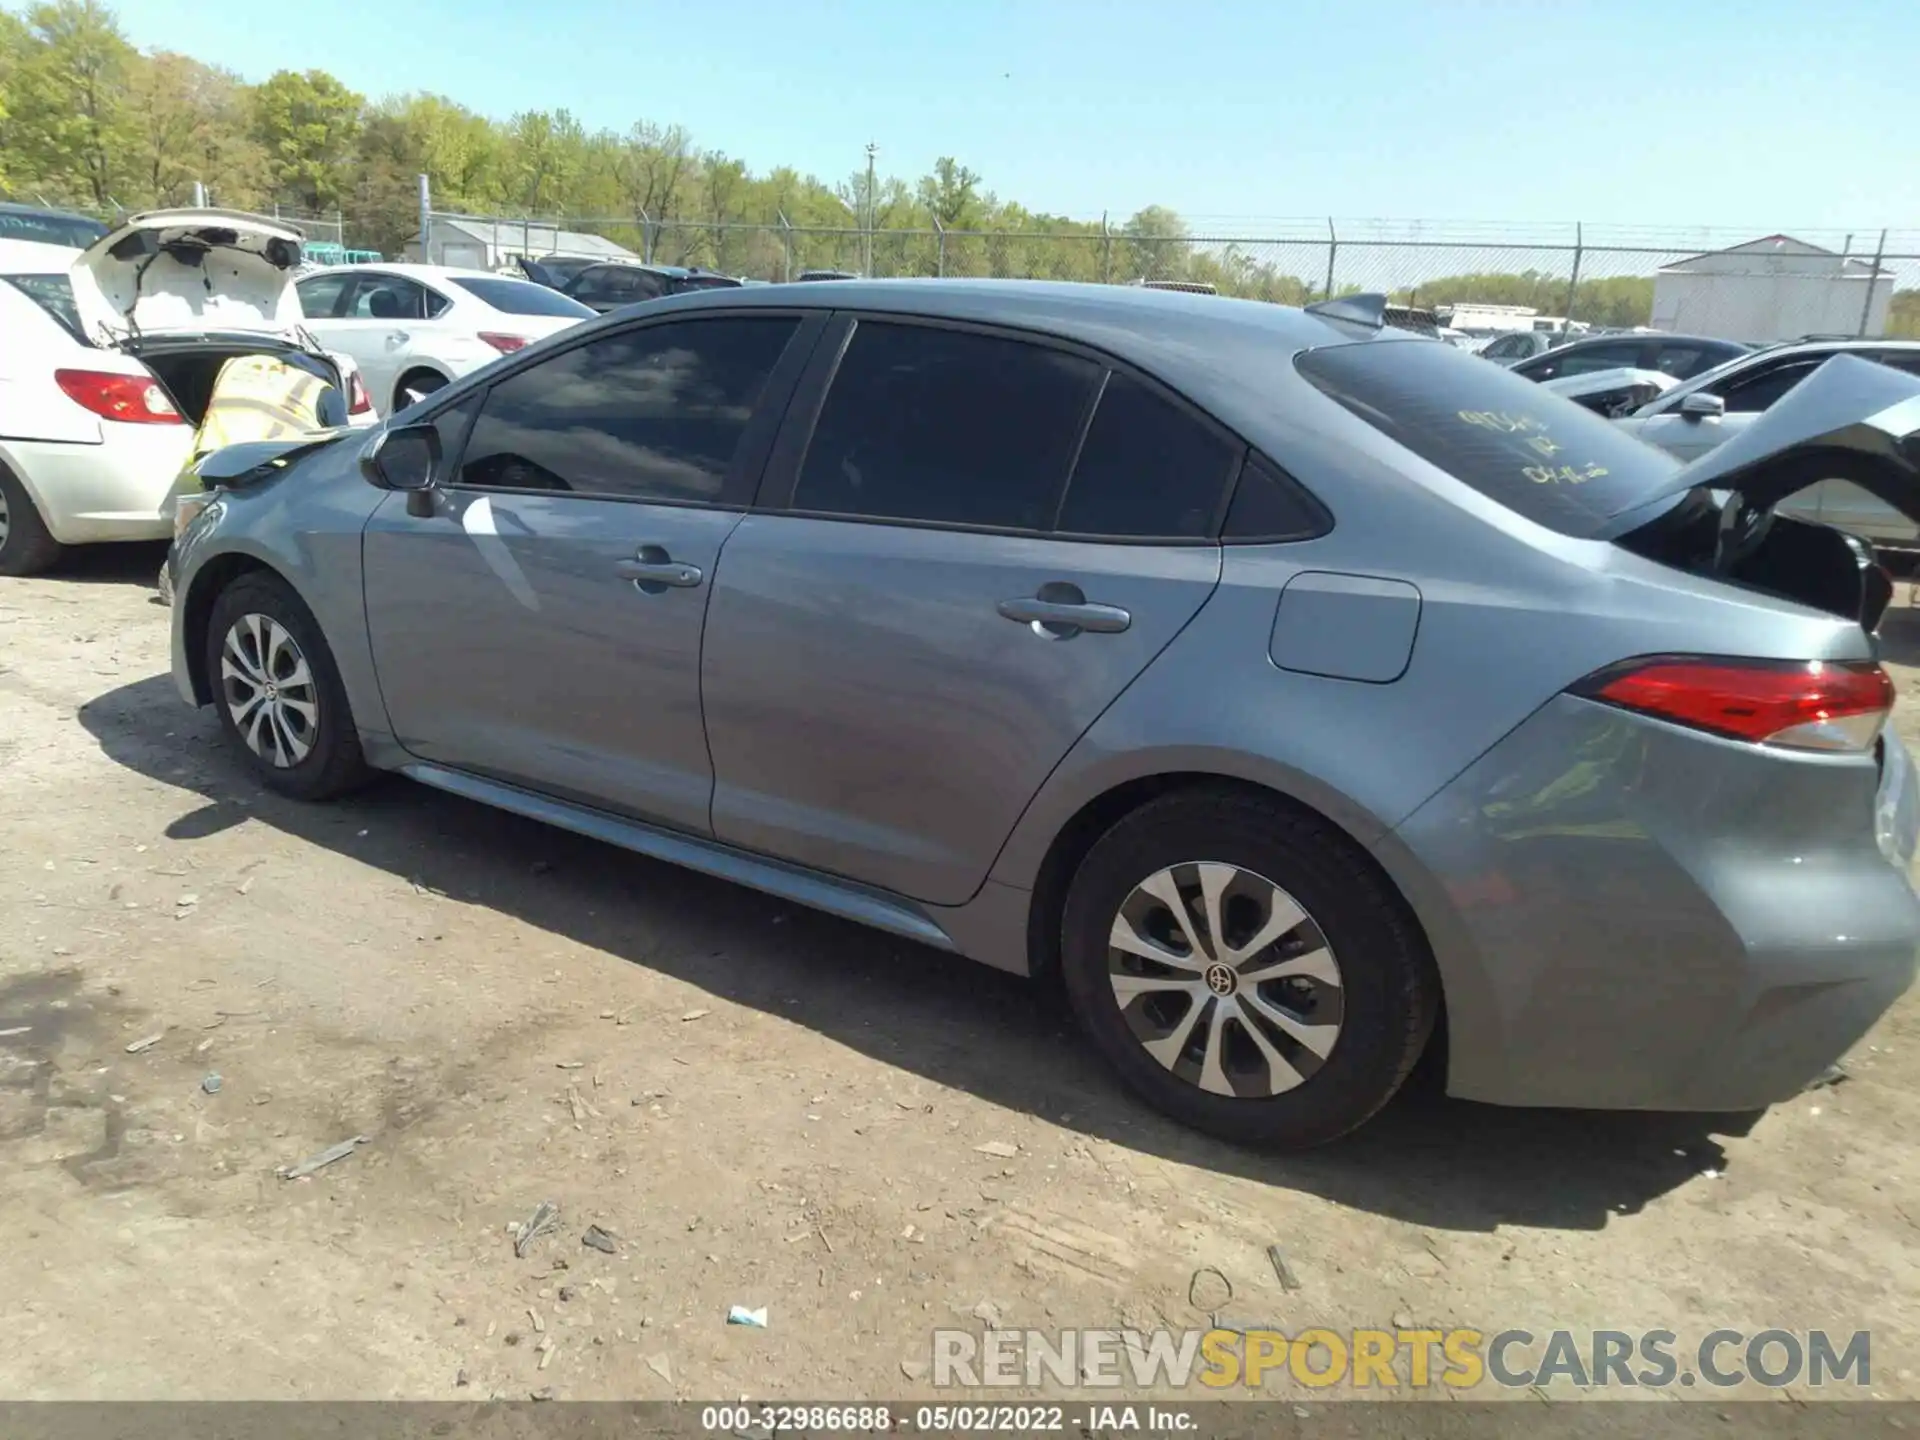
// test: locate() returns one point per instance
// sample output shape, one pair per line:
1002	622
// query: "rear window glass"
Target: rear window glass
1540	455
50	229
53	293
522	297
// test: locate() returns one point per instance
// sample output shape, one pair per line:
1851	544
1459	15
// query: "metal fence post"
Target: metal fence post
1873	279
786	244
1573	283
426	221
1106	251
1333	249
940	258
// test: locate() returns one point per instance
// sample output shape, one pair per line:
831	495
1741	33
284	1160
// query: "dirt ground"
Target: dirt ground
766	1106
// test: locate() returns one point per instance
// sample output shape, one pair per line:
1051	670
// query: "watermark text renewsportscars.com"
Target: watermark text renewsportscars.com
1399	1359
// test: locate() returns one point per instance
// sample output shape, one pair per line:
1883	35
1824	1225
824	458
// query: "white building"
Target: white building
1775	288
497	244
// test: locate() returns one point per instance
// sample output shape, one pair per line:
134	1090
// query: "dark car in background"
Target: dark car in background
1681	356
614	284
48	227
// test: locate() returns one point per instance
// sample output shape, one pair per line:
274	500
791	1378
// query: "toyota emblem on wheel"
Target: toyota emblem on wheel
1220	979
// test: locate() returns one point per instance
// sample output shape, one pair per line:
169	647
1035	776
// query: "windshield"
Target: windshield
50	228
53	294
523	297
1540	455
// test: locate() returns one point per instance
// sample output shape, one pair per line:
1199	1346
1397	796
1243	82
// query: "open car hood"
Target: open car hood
184	271
1851	419
236	465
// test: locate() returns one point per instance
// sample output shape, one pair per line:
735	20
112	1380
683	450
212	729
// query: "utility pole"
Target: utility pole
872	150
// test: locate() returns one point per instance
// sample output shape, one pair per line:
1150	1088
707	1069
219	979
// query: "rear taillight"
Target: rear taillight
505	344
1802	705
358	401
133	399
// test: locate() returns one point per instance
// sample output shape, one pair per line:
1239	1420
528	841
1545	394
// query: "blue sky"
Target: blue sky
1745	113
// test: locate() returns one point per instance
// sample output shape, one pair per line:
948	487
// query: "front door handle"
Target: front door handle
1061	612
654	571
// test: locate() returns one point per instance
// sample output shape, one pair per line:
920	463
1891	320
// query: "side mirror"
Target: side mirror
1702	406
405	458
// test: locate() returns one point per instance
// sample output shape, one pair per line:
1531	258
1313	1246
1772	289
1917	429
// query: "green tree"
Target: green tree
307	123
189	123
69	125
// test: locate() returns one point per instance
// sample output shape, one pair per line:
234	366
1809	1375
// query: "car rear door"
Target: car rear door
923	615
543	625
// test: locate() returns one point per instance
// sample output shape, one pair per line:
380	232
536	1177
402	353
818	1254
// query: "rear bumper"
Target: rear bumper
121	489
1628	915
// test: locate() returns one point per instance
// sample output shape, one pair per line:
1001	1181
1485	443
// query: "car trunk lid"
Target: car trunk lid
183	272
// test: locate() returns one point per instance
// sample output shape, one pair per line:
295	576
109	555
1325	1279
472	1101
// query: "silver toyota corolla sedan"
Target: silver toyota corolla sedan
1292	691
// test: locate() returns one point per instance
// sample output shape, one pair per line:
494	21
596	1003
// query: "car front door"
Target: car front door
1748	393
543	625
378	319
923	615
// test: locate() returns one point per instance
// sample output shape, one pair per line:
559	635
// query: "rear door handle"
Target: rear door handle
653	572
1063	619
398	337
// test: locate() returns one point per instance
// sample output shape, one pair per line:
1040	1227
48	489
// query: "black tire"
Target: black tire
1384	1000
27	547
425	382
331	764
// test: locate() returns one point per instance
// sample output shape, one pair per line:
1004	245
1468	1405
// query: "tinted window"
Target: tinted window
1682	362
1580	362
53	293
49	228
1531	450
320	296
618	285
521	297
946	426
1268	505
387	297
1147	468
1907	360
648	414
1756	391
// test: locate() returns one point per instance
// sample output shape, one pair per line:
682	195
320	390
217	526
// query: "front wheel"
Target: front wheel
278	691
1245	968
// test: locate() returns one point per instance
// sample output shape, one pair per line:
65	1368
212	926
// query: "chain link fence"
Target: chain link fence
1572	277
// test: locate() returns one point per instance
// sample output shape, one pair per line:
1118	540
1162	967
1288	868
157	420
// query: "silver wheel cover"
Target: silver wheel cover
269	690
1225	980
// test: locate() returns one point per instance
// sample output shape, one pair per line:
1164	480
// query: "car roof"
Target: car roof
413	271
36	257
15	207
1658	337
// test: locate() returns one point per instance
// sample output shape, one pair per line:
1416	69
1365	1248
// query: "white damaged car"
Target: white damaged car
110	358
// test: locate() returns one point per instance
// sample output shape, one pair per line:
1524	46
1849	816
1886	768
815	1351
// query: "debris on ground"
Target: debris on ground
1282	1271
1834	1074
539	1325
1402	1320
988	1314
546	1215
915	1370
15	1030
146	1042
326	1157
460	1379
1195	1290
569	1064
602	1240
661	1366
694	1015
211	1084
741	1315
545	1392
999	1149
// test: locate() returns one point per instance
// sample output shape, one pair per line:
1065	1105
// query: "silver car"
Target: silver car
1700	414
1290	690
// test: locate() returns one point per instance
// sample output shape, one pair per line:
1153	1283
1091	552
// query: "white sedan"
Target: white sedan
412	328
108	358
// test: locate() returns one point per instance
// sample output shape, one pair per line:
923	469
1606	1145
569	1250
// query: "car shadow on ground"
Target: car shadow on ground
1427	1159
135	563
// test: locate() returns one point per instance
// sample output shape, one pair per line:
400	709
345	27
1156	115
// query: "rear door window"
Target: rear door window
1537	453
946	427
1147	469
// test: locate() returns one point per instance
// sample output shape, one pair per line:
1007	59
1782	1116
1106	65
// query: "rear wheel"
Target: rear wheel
1245	968
415	386
278	691
27	547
